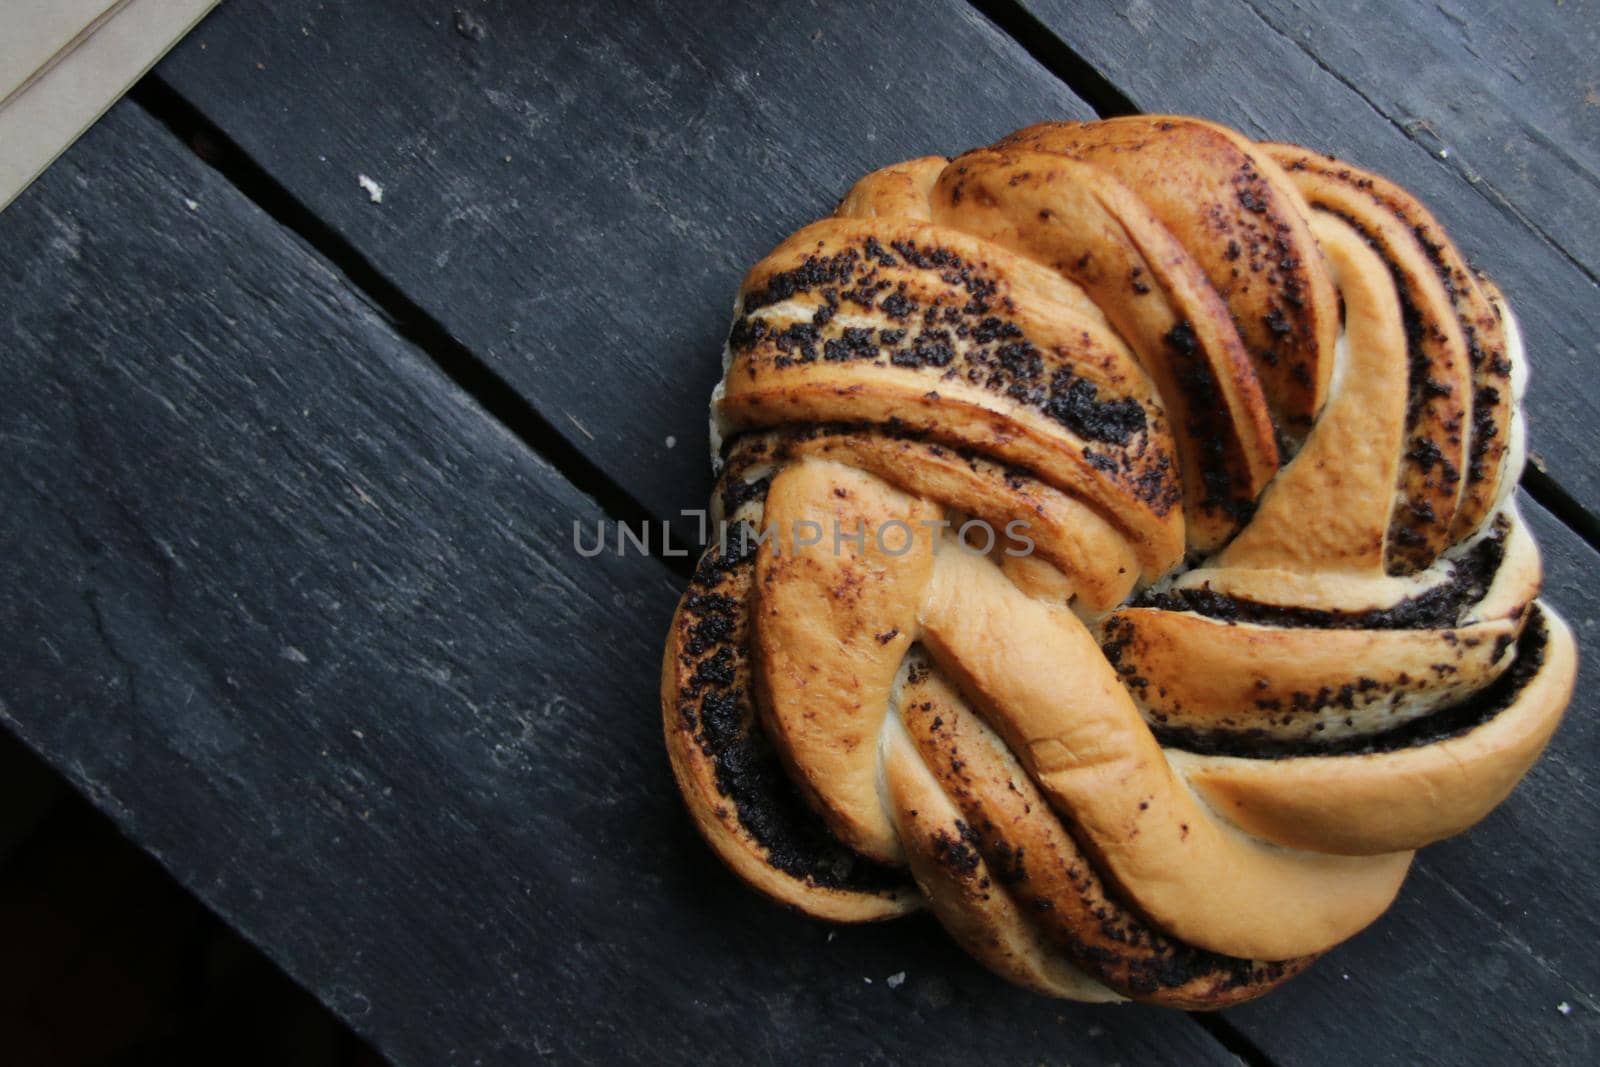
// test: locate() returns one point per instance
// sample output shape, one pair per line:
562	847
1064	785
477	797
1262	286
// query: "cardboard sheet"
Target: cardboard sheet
63	62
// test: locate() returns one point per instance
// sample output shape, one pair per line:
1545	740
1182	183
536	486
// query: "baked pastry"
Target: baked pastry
1119	560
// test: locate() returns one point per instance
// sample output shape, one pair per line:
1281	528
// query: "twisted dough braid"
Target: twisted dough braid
1278	629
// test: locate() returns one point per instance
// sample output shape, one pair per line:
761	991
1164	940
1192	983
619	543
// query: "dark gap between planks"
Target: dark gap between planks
1553	498
1056	56
87	916
1412	133
1231	1038
455	360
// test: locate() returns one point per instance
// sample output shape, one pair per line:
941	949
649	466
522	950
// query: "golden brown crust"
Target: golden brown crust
830	630
967	350
721	815
963	889
898	191
1226	202
1074	543
1088	226
1433	463
1350	804
1329	511
1188	738
1479	318
1300	683
1031	858
1060	706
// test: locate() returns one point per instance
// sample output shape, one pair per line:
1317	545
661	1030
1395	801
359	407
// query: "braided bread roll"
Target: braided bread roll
1272	624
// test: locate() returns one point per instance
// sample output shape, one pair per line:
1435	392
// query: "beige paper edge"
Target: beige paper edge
36	33
41	121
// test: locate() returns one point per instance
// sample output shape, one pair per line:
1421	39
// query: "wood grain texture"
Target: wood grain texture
575	195
289	607
1509	93
1433	935
1235	66
309	627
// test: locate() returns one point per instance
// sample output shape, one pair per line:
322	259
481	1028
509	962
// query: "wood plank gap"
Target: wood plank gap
1056	56
29	792
1560	503
1482	187
1232	1038
487	388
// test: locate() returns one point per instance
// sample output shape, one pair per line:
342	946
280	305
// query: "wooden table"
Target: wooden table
289	479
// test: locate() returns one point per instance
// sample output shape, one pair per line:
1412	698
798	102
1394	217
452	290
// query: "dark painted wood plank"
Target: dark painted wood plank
783	952
1509	92
1233	66
309	627
577	195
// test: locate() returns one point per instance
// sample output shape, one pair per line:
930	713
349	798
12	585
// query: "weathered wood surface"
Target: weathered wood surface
1230	63
1510	92
576	196
309	627
252	522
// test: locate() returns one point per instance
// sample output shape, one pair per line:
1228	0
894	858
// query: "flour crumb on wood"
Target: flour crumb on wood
374	190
